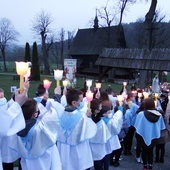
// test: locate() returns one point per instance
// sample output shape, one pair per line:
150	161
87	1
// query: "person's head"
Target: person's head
109	90
133	88
105	111
30	109
149	104
96	106
1	93
104	96
130	96
74	97
141	108
41	90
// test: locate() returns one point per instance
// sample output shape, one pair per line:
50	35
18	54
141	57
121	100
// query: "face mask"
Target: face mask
3	101
80	106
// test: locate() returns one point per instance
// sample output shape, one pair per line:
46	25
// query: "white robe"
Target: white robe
75	151
114	125
99	141
43	153
11	122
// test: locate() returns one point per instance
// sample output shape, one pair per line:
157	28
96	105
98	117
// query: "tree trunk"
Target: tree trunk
45	55
4	59
148	37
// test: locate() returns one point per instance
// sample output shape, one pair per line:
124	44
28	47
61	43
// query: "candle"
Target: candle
124	83
145	94
169	98
47	84
139	95
156	96
89	84
58	75
28	74
21	68
89	98
119	98
98	85
65	82
156	103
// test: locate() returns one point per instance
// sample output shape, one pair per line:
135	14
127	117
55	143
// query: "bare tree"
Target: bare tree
122	6
70	35
7	35
107	14
41	26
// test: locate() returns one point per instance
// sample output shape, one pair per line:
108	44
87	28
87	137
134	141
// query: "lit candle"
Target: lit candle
124	84
145	94
139	95
28	74
65	82
156	96
89	98
47	84
58	75
89	84
21	68
98	86
120	99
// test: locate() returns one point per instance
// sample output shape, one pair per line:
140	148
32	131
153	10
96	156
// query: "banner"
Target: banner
70	68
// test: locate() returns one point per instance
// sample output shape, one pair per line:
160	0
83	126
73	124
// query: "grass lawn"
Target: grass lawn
6	81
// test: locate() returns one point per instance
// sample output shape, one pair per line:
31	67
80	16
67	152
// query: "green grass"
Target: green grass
6	81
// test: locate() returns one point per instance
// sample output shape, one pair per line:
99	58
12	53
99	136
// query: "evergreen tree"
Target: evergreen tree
27	52
35	63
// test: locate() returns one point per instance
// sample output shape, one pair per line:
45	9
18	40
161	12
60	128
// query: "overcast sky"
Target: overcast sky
67	14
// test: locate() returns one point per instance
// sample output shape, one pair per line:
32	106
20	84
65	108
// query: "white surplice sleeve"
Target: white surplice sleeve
11	120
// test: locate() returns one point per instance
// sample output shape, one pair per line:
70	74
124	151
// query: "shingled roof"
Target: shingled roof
142	59
92	41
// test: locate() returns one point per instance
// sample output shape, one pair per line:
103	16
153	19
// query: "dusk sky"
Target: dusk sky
68	14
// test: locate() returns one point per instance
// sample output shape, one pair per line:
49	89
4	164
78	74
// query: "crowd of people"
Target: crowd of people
67	132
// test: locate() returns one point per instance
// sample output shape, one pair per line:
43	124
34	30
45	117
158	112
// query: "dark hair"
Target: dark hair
141	108
129	95
104	109
104	95
109	89
40	90
73	95
1	90
149	104
95	104
29	108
